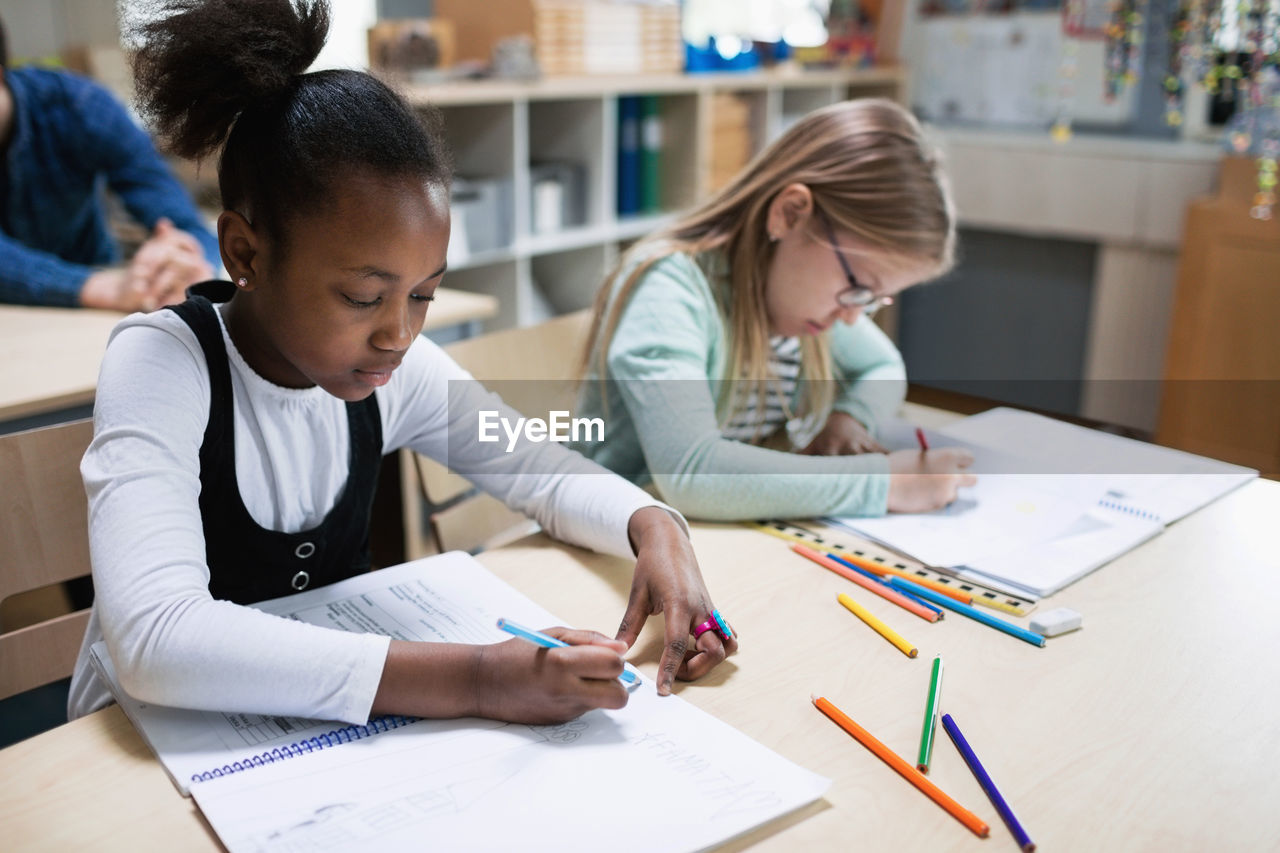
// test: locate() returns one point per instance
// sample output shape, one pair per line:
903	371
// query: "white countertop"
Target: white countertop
1080	144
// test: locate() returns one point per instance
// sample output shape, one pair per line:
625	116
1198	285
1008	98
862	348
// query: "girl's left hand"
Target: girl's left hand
667	580
843	435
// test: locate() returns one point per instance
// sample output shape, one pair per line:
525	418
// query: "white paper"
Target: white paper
1053	502
607	779
657	775
1159	481
1003	513
1046	567
437	600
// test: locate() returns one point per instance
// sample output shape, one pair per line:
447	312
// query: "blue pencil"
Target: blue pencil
971	758
869	576
965	610
629	673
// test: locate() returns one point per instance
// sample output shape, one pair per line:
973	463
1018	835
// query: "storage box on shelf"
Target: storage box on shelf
734	120
606	38
550	149
572	37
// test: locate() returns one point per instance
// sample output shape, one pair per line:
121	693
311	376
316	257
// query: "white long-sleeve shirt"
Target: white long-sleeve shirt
171	642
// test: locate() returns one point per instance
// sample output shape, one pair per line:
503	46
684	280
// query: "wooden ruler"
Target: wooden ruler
831	540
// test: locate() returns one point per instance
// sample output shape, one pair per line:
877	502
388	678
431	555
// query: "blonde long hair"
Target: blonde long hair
870	173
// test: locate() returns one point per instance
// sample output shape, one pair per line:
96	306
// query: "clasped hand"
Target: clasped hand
169	262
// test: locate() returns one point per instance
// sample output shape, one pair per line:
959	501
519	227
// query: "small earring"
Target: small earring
242	282
773	238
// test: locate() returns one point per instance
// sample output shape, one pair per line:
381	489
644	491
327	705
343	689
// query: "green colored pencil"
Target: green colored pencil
930	716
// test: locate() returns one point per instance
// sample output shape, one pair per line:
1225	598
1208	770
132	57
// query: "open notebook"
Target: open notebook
269	782
1053	502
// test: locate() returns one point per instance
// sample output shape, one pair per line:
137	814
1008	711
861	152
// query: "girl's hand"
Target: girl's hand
922	481
667	580
523	683
843	435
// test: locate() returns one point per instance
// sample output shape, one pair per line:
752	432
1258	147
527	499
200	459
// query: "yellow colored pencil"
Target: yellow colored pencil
882	629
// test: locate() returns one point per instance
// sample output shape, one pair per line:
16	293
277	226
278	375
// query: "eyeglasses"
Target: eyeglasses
856	295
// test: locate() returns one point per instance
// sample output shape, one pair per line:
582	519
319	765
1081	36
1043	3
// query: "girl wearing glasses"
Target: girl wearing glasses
744	330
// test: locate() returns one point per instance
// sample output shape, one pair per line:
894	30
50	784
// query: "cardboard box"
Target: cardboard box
409	45
572	37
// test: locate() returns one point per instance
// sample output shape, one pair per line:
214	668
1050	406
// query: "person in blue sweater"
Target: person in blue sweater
63	139
742	332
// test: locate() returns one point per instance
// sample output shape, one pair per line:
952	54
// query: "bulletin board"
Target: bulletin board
989	69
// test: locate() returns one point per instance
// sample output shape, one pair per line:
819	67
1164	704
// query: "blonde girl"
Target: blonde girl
752	314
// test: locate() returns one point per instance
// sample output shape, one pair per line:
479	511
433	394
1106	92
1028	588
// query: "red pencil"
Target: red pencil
881	569
924	443
879	589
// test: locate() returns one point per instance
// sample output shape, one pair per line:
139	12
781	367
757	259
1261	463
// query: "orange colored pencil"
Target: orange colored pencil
878	588
912	775
882	569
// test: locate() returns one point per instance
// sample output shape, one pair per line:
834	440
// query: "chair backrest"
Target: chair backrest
547	355
44	540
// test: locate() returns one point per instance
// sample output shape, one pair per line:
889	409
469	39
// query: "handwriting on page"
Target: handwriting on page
506	785
713	785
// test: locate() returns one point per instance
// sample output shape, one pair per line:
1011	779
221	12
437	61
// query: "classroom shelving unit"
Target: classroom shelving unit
496	130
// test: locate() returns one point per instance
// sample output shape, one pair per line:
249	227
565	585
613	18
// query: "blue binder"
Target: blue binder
628	155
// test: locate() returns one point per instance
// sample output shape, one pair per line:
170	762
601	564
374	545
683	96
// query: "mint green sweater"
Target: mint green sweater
665	363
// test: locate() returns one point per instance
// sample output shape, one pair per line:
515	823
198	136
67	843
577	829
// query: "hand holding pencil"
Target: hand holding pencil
548	676
924	480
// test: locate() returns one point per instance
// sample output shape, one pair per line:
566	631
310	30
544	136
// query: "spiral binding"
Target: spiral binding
1128	509
346	734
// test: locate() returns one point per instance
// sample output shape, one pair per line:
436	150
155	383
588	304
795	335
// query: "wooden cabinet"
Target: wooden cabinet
1221	391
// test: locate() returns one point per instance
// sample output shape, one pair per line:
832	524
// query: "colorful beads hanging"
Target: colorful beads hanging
1264	200
1257	124
1124	46
1068	69
1200	49
1180	29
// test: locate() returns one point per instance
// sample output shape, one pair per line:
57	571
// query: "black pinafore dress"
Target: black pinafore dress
247	562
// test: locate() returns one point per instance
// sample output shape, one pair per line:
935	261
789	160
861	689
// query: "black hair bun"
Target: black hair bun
200	63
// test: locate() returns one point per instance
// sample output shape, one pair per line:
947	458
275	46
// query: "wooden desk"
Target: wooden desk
1153	728
49	357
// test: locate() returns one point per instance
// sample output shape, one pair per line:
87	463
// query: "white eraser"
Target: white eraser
1060	620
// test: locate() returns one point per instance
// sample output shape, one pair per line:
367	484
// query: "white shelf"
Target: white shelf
499	130
570	238
634	227
483	259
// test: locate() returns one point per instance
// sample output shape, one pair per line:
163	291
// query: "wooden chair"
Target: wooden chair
461	517
44	541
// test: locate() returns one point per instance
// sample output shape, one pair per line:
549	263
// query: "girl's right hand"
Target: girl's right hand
519	682
922	481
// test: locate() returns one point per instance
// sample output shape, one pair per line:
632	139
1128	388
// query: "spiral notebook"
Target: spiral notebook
1054	501
277	783
196	746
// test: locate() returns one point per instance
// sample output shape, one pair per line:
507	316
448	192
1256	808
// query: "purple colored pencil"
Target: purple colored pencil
970	757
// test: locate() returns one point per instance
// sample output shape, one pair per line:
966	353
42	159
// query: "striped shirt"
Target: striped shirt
752	424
